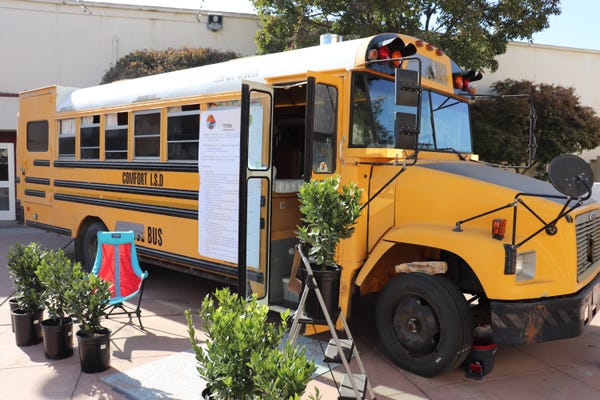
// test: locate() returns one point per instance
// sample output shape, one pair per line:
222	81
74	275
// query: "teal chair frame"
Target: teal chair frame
117	262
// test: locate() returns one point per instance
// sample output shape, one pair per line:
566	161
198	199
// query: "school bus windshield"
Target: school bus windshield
445	124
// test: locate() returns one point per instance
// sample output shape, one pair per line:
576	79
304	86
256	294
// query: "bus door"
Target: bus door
255	188
322	124
320	143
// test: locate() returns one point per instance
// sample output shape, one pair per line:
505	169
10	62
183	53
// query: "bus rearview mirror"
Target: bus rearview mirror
407	88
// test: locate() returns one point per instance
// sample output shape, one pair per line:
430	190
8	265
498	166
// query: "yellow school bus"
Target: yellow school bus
204	165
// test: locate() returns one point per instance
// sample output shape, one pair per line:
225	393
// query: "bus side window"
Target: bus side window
37	136
115	136
183	128
146	134
325	129
66	138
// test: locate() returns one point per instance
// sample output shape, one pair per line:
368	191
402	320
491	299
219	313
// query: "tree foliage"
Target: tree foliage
500	125
149	62
472	32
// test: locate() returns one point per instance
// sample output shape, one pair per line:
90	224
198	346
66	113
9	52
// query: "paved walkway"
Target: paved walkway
568	369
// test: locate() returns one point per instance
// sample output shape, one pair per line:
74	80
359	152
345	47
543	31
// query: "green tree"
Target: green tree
149	62
500	125
472	32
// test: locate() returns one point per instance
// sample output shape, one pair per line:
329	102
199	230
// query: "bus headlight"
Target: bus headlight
525	268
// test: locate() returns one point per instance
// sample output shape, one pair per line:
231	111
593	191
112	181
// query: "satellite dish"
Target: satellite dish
571	175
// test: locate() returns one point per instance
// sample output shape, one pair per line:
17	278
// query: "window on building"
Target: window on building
37	136
115	136
182	133
90	137
147	134
66	138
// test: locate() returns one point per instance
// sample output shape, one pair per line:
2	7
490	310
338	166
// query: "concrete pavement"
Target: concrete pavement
556	370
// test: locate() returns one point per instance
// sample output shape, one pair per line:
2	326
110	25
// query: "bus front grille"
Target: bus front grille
588	242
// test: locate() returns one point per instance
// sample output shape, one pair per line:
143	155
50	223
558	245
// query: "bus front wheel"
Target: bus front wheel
424	323
86	244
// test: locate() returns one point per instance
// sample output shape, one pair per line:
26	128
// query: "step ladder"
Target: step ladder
352	386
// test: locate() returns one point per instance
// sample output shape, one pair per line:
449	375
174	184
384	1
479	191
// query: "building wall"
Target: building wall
61	42
564	66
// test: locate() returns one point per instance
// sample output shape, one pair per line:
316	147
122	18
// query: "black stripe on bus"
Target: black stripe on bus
41	163
141	190
169	211
50	228
129	166
35	193
37	181
177	259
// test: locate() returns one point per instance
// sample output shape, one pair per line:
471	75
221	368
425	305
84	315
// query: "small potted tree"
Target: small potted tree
27	315
56	274
330	213
87	298
243	358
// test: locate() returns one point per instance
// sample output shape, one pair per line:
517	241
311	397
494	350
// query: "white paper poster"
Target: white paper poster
218	194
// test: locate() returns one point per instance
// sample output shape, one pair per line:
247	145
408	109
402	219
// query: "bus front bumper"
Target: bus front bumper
546	319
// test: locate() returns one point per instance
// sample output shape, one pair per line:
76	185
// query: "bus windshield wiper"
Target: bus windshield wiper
452	149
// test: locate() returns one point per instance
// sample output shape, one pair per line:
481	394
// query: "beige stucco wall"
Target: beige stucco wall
564	66
47	42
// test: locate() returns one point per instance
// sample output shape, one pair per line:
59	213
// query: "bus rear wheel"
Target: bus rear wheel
424	323
86	244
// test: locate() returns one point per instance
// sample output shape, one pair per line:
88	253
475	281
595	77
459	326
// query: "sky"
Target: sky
577	26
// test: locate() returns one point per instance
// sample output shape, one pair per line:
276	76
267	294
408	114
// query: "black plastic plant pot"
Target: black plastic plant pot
13	304
58	338
329	284
94	351
27	327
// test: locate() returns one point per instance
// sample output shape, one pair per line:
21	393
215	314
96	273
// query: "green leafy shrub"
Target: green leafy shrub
242	358
87	299
140	63
55	272
22	264
330	215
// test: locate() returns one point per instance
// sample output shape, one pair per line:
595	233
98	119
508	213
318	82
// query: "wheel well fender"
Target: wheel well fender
398	247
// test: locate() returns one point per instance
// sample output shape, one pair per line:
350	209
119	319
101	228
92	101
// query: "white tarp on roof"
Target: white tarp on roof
215	78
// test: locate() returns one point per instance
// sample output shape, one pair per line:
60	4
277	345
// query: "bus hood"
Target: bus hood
493	175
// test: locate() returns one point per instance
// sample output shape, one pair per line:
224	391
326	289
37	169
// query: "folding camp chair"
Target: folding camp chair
117	262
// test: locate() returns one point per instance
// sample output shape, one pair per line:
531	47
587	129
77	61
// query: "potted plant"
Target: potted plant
26	317
243	358
330	212
87	298
56	274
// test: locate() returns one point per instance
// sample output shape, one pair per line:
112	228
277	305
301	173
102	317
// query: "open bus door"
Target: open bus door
321	124
323	119
255	189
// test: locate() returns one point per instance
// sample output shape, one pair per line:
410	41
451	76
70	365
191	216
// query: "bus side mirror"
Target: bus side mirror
408	88
408	96
406	130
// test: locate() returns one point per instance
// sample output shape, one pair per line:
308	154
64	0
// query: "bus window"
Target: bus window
183	127
426	138
37	136
147	134
115	136
451	123
325	118
66	138
90	137
444	120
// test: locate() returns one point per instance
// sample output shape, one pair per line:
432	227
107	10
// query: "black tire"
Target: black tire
87	243
424	323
